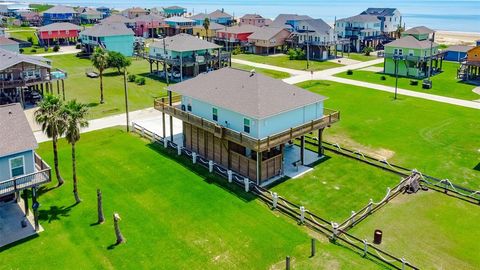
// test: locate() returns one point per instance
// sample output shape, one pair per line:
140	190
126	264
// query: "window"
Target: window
17	166
411	53
215	114
246	125
398	52
189	107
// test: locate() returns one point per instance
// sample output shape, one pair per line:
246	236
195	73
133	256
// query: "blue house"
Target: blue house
244	121
105	11
112	37
174	11
457	53
20	167
60	13
221	17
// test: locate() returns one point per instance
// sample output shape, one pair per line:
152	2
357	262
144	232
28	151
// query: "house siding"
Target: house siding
29	164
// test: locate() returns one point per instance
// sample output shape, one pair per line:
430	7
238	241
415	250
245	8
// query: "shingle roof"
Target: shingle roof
184	43
266	33
281	19
105	29
15	133
178	19
199	16
212	26
115	18
148	18
318	25
60	9
252	16
410	43
59	26
8	59
7	41
241	28
459	48
361	18
419	30
380	11
219	14
91	11
257	96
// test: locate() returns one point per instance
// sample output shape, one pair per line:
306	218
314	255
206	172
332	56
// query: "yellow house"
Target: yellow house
199	30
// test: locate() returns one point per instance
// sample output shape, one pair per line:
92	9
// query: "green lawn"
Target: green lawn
87	90
436	138
444	84
431	230
337	186
24	35
283	61
272	73
172	217
360	57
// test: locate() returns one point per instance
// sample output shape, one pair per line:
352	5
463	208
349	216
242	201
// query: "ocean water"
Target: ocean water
449	15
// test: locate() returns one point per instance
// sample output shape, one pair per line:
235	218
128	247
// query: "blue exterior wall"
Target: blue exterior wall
259	128
455	56
122	44
49	18
29	164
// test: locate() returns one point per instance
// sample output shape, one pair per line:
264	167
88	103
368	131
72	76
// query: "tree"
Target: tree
367	50
75	114
118	61
100	62
118	233
49	116
206	25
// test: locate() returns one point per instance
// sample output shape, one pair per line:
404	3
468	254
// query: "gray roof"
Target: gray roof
219	14
240	28
380	11
59	26
8	59
106	29
91	11
266	33
199	16
149	17
419	30
212	26
15	133
7	41
257	96
281	19
178	19
185	43
410	42
251	16
361	18
318	25
60	9
459	48
115	18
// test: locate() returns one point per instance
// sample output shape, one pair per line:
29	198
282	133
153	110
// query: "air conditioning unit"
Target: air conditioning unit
218	131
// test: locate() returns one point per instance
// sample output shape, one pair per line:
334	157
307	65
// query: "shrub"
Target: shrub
349	72
237	50
140	81
30	39
21	50
367	50
296	54
33	50
413	82
78	46
383	78
46	48
131	77
56	48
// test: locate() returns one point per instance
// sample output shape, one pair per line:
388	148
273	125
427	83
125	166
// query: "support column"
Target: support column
302	150
25	201
63	89
320	149
58	87
171	117
259	167
35	206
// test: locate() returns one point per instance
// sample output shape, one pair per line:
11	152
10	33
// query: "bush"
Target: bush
46	48
131	77
30	39
21	50
56	48
413	82
383	78
237	50
367	50
140	81
78	46
33	50
349	72
296	54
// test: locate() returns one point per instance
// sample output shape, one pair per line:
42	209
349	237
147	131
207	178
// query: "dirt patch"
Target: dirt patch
380	153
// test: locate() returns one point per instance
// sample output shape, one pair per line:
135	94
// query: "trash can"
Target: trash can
377	237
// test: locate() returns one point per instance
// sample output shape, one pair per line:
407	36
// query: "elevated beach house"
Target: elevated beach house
316	37
60	13
470	66
255	19
185	56
414	55
111	37
115	18
177	25
172	11
244	121
221	17
200	31
134	12
236	35
90	16
150	25
105	11
21	170
61	33
289	21
268	40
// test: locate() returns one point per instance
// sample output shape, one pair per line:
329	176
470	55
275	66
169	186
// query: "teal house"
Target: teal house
112	37
414	55
174	11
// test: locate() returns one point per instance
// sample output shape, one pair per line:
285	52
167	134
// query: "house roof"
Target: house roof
7	41
199	16
419	30
173	7
148	18
410	43
281	19
266	33
15	133
178	19
219	14
8	59
240	28
59	26
459	48
115	18
257	96
91	11
251	16
184	43
60	9
106	29
213	26
380	11
361	18
318	25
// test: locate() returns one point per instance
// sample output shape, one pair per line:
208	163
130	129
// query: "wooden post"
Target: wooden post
302	150
101	218
35	206
63	89
320	146
171	117
313	248
25	201
118	233
58	87
287	263
259	167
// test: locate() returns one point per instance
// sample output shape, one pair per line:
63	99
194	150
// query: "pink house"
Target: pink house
254	19
149	25
238	33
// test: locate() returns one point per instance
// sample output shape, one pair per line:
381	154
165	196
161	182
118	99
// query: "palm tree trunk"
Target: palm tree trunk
101	87
118	233
101	218
126	98
74	170
55	161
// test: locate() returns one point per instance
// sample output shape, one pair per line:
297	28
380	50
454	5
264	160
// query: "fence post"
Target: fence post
230	176
352	217
335	231
247	184
165	142
365	248
274	200
194	157
143	132
179	150
370	205
287	263
313	249
210	166
403	263
302	214
133	126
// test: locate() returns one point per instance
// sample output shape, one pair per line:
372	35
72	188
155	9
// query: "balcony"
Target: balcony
200	59
42	175
258	145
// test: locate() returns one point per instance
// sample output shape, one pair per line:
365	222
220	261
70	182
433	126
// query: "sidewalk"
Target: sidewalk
265	66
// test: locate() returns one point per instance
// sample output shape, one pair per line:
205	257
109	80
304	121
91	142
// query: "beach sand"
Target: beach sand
456	38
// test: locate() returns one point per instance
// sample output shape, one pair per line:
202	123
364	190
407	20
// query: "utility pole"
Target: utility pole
431	56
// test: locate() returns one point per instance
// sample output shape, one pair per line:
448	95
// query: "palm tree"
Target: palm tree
100	62
49	116
75	114
206	25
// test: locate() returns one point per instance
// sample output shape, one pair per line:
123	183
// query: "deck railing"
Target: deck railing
41	176
329	117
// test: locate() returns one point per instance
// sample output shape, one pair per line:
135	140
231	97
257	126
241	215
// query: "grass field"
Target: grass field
87	90
444	84
337	186
24	34
172	217
360	57
272	73
436	138
283	61
431	230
